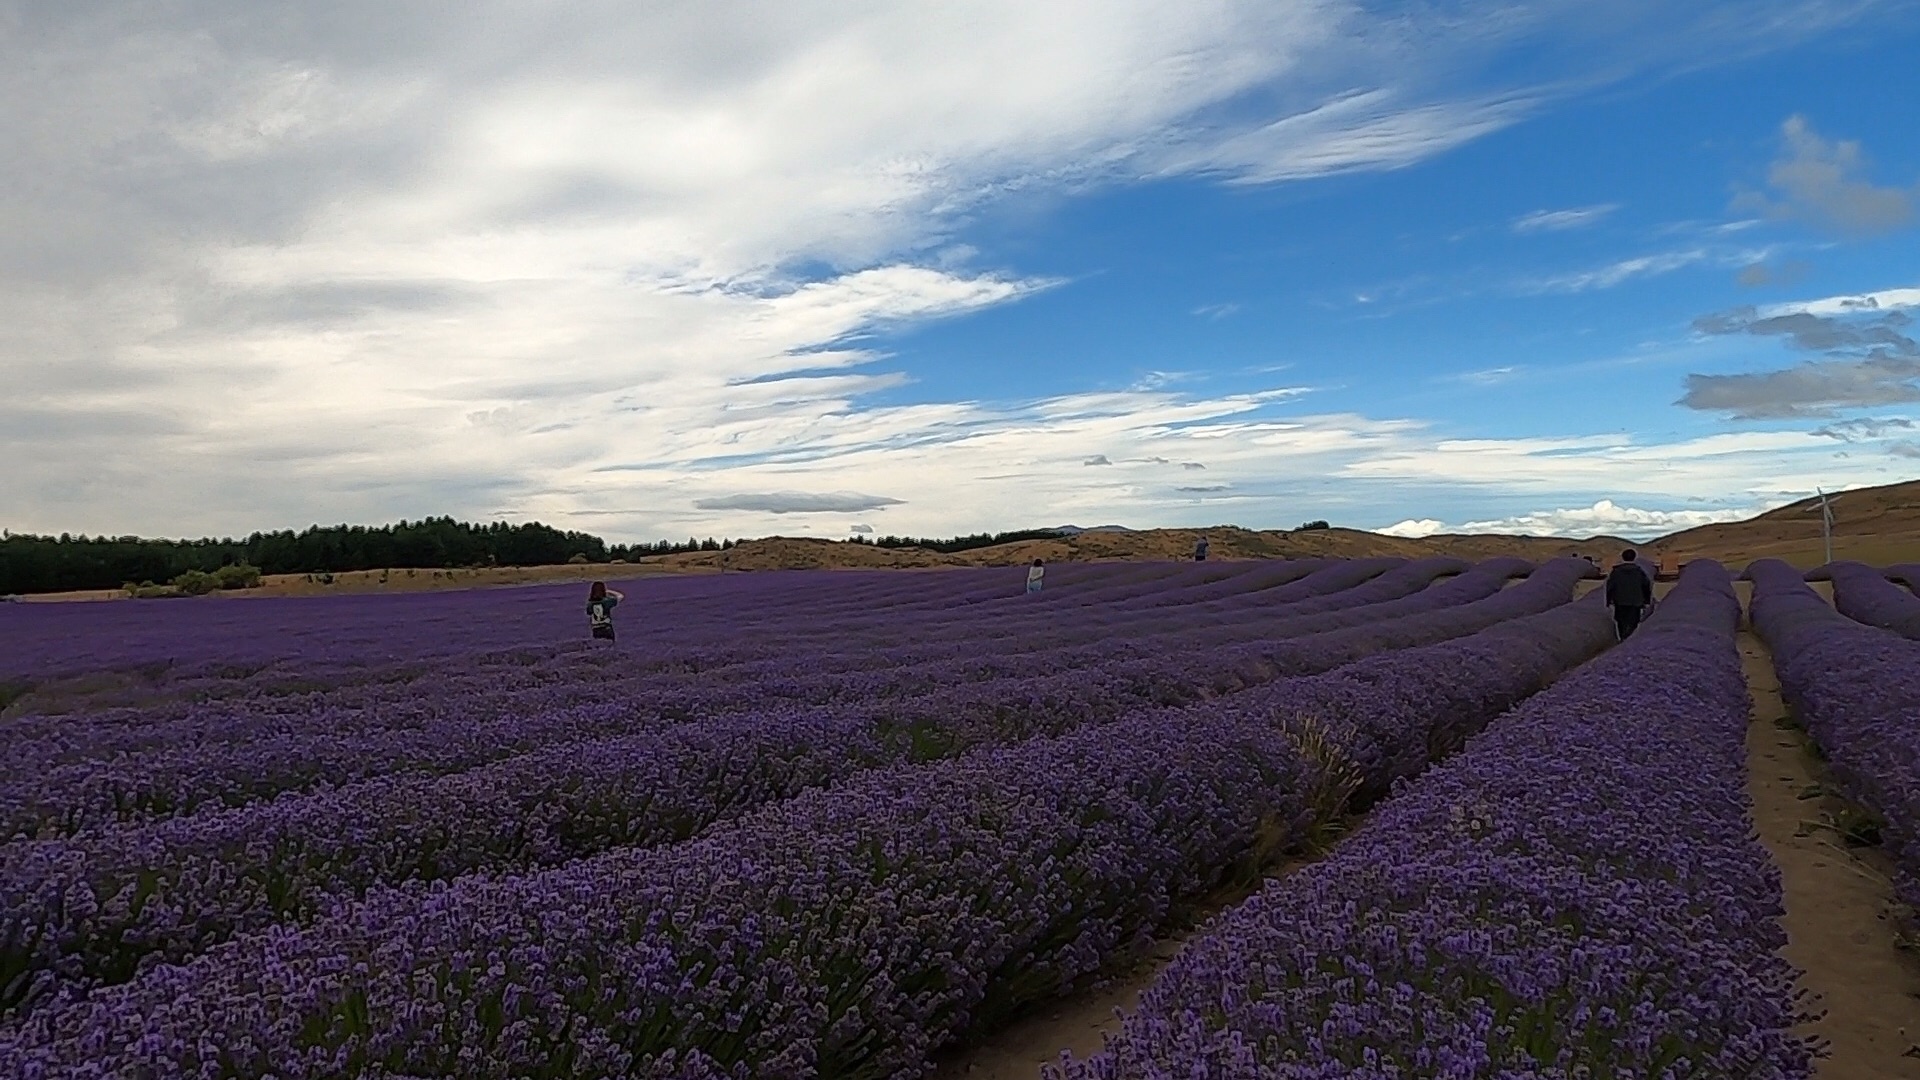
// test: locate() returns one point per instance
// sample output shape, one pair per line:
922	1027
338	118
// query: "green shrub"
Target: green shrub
196	583
238	576
1316	524
578	558
150	591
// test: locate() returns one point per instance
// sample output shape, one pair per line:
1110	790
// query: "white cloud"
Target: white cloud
1414	528
1605	518
1852	304
1562	220
603	266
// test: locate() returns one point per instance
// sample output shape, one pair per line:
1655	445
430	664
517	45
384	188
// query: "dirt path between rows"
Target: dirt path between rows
1080	1022
1839	902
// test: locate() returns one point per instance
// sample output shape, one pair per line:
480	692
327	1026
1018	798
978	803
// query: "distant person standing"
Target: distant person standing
1629	591
600	604
1200	550
1034	573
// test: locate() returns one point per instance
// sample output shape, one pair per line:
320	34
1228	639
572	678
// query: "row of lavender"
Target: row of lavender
680	674
1866	595
253	630
850	931
213	637
1907	574
222	649
455	728
94	907
1857	690
1578	894
279	656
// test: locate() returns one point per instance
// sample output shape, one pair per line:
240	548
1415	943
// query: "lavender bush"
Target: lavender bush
1857	690
92	908
1907	574
157	767
847	932
443	729
1578	894
1865	595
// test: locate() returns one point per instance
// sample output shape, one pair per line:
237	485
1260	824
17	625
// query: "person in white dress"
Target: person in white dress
1034	573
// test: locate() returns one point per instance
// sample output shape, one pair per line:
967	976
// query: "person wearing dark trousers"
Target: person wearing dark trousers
1200	550
1629	591
600	604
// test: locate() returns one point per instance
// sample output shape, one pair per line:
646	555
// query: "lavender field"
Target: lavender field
838	824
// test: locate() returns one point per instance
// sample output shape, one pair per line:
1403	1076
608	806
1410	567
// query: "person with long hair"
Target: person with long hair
1035	574
600	604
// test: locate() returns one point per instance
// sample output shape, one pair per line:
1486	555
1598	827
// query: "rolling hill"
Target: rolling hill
1879	525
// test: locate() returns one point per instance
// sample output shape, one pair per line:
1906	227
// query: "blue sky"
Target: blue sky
1546	267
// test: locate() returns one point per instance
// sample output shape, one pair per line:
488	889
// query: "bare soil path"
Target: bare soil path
1079	1023
1839	924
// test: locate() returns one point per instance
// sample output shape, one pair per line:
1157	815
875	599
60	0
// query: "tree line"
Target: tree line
33	564
30	563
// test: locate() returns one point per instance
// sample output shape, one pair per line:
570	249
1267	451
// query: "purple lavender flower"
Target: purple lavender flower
1578	894
851	930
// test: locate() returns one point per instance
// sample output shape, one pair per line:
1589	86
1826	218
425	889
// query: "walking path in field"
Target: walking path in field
1081	1021
1839	902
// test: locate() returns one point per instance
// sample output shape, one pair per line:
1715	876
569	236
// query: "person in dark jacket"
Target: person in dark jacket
600	604
1629	591
1200	550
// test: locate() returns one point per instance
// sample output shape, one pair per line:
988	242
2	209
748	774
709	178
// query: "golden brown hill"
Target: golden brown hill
1225	542
1877	525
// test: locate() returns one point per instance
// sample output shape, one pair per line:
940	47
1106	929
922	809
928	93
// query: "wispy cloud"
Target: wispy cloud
1216	311
1618	273
1562	220
1097	459
1488	376
1360	130
799	502
1864	428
